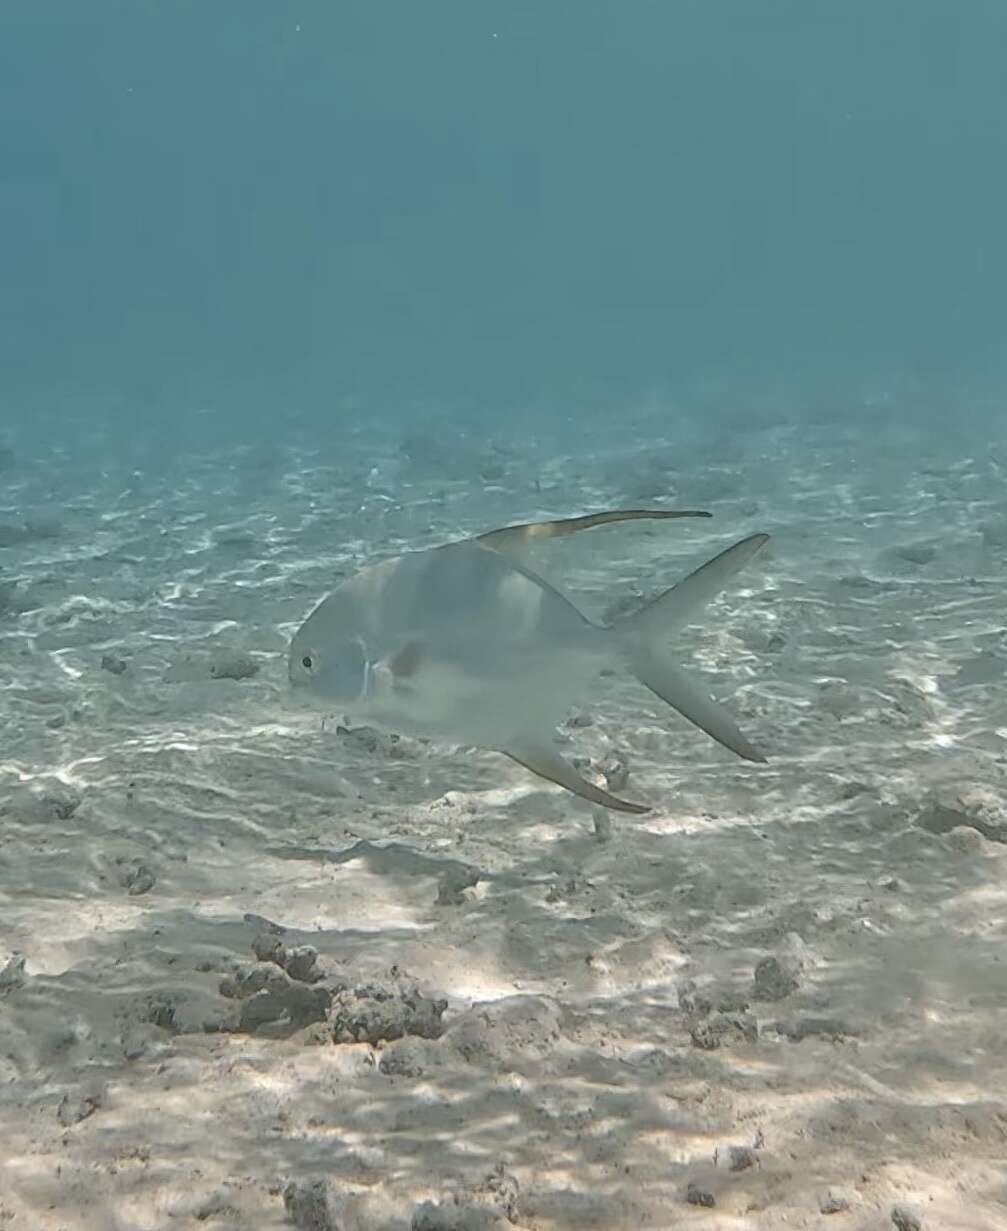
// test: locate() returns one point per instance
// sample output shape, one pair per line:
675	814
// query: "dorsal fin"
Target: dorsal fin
512	538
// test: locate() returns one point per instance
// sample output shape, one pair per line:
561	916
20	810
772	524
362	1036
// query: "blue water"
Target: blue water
487	207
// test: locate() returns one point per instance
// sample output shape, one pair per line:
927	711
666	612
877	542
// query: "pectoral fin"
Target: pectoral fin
397	672
545	761
405	662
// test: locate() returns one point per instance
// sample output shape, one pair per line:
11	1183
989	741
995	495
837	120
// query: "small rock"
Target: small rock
691	1000
212	1205
833	1203
906	1219
110	662
458	1215
408	1057
75	1108
13	974
158	1009
308	1206
805	1027
724	1028
731	1002
277	1013
60	802
740	1158
615	770
141	1040
452	885
253	979
372	1014
503	1189
695	1195
371	741
235	665
269	948
137	879
508	1033
966	839
774	978
302	964
977	807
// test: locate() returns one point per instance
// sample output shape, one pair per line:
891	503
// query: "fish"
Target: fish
466	644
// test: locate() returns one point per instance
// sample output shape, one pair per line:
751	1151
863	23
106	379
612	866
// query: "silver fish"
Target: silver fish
466	644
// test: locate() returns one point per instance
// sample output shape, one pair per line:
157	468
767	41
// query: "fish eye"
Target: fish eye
307	662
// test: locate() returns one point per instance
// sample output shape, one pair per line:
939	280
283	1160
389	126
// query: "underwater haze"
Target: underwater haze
503	651
496	204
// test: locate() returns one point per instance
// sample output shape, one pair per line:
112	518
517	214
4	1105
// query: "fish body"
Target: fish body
466	644
455	643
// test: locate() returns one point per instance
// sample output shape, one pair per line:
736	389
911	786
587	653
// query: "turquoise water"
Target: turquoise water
487	207
290	289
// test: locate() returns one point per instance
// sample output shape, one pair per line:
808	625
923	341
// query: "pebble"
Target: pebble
458	1215
308	1206
453	883
805	1027
977	808
724	1028
372	1014
774	979
73	1108
408	1057
300	963
508	1033
695	1195
615	770
137	879
833	1203
13	974
740	1158
906	1219
277	1013
235	665
966	839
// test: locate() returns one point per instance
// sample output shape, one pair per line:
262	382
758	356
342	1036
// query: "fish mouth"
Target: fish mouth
295	672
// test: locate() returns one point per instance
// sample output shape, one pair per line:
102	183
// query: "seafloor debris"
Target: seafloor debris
286	991
233	665
775	978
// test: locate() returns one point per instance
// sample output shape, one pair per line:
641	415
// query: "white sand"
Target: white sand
155	822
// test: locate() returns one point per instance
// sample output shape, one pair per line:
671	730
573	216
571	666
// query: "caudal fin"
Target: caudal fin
647	629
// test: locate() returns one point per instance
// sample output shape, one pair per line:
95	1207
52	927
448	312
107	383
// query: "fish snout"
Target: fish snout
302	666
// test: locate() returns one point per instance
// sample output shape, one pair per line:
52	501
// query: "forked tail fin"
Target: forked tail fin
647	629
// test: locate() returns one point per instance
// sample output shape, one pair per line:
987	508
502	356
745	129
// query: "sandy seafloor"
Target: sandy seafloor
608	1057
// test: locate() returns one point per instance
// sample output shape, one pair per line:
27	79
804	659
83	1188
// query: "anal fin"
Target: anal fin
547	763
